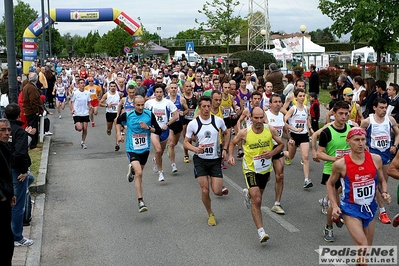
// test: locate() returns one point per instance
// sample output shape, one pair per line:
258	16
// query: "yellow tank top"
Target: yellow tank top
254	146
353	113
305	102
226	106
219	113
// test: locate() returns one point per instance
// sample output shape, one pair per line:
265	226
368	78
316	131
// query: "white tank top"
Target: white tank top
380	137
112	99
299	120
277	121
60	91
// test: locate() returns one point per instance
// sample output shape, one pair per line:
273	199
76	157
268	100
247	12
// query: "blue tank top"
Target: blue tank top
137	138
178	105
128	105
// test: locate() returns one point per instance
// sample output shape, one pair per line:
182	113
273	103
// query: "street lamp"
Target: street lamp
302	28
159	34
263	33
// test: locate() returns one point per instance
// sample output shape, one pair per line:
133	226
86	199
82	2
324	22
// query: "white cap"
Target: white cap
244	64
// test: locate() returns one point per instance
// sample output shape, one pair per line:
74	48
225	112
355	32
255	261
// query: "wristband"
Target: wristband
225	149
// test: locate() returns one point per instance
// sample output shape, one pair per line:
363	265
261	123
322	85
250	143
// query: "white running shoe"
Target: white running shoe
24	242
161	177
174	168
247	198
263	237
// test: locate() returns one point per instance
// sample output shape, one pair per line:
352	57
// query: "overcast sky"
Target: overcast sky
174	16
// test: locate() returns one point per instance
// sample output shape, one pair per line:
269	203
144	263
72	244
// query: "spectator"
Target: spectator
314	80
276	78
314	111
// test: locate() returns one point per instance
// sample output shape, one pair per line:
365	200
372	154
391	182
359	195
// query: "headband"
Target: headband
355	131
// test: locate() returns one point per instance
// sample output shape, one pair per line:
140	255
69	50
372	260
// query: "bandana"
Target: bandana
355	131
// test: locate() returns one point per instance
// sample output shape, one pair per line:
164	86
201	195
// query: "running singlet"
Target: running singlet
199	89
137	138
207	135
65	80
112	99
360	181
60	91
255	144
178	105
192	105
337	146
245	98
128	105
277	121
161	110
299	120
378	134
80	101
226	106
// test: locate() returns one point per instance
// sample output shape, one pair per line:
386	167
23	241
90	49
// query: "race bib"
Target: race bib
261	163
209	149
300	123
363	192
380	142
190	114
226	112
279	131
139	141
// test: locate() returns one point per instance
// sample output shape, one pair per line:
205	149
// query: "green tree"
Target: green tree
24	15
222	23
322	36
376	20
190	34
113	42
57	42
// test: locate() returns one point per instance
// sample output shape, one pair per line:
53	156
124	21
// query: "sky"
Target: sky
177	15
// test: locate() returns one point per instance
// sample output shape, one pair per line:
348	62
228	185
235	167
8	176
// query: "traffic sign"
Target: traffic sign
126	49
189	47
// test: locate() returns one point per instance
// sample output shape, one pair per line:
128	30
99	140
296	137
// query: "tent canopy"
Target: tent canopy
157	49
364	52
294	45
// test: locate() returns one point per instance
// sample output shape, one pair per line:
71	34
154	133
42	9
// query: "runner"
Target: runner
358	171
60	90
256	164
208	157
140	124
95	91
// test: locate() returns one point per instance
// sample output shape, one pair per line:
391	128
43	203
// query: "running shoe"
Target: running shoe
287	161
240	153
24	242
130	173
396	220
174	168
324	206
161	177
225	190
117	147
93	124
308	183
186	159
60	116
263	237
224	166
142	207
154	167
48	133
278	209
301	162
328	234
83	145
211	219
384	218
247	198
108	132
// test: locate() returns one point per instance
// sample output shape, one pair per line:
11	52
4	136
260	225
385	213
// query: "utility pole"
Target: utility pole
10	44
258	23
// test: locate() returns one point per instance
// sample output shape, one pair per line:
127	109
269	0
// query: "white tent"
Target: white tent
295	45
364	52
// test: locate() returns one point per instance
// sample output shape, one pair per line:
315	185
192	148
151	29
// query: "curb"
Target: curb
40	186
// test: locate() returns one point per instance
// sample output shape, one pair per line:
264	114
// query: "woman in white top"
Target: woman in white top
357	92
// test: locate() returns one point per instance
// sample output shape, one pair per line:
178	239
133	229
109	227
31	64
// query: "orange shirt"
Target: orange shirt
94	91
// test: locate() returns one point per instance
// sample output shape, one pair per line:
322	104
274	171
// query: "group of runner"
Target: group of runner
208	117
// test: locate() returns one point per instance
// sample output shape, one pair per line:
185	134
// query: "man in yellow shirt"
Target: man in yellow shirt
95	93
257	162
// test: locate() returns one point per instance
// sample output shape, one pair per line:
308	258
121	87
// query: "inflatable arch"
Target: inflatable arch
29	45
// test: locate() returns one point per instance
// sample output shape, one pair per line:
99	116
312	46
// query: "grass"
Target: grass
324	97
36	157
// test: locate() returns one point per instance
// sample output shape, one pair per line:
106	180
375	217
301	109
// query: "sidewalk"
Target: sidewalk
30	256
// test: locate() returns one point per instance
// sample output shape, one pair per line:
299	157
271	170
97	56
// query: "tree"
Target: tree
322	36
376	20
190	34
222	24
24	15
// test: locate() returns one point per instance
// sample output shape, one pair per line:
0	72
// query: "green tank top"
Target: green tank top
337	146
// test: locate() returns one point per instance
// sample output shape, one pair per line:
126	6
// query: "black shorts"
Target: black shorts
256	180
176	127
278	155
227	122
299	138
186	121
141	157
81	119
233	122
207	167
110	117
325	177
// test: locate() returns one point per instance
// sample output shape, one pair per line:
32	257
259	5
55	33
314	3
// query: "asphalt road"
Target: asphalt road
91	215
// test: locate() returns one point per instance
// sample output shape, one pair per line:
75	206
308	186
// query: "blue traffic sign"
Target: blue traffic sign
189	47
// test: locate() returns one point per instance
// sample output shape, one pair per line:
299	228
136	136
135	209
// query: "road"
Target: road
91	213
